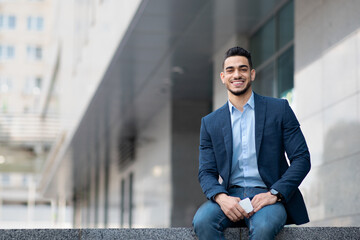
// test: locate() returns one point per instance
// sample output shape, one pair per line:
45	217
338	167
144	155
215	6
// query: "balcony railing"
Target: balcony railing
15	128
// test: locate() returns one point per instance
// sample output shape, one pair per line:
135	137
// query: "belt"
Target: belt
236	186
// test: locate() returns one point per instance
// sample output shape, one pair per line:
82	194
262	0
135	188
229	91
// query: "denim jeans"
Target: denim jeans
210	222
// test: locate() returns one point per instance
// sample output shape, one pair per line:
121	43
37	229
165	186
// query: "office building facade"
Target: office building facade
128	155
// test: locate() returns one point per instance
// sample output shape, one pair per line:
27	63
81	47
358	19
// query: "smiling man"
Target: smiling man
244	142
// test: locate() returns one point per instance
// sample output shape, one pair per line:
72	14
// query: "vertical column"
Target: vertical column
1	200
61	211
31	201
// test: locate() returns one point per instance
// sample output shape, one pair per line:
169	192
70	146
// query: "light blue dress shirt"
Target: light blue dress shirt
244	170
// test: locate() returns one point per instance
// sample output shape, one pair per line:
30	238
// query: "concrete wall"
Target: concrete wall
187	195
152	173
99	201
327	99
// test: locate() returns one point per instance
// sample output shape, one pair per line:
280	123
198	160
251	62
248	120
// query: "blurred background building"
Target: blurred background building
28	114
101	103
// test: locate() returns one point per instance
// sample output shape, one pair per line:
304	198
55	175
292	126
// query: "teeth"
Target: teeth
238	83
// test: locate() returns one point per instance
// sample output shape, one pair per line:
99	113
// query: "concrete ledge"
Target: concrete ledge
321	233
293	233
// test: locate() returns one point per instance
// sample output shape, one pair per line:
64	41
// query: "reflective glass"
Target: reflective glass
285	71
263	44
40	23
12	22
275	77
29	20
264	81
10	52
286	24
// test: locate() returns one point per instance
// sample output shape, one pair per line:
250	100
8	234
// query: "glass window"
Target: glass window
286	24
38	53
1	21
5	179
25	180
12	22
39	23
35	23
264	81
7	22
10	52
33	85
263	44
34	52
38	82
273	54
7	52
5	84
29	23
285	72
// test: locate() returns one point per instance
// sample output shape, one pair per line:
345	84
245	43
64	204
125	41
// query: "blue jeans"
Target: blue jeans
210	222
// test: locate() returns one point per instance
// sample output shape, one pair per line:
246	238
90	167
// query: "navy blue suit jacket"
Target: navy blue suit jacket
276	131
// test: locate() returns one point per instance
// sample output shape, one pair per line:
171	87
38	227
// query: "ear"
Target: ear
222	76
252	74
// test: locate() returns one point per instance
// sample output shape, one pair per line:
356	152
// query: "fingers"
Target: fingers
257	202
261	200
257	207
243	212
240	212
234	217
236	213
231	207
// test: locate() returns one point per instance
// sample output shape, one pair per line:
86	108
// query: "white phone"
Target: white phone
246	205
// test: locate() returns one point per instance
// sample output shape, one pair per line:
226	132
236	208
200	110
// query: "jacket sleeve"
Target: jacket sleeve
297	153
208	172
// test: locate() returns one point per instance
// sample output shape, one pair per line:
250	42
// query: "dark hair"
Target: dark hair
238	51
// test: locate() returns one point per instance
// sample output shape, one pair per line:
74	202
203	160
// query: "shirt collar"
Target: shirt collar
250	102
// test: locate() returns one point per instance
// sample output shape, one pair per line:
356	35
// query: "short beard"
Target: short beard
242	91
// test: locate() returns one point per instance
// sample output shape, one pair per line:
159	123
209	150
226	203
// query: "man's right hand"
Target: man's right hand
231	207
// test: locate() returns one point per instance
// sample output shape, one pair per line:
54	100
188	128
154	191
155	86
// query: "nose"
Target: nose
237	74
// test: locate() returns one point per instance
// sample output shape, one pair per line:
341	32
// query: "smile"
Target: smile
237	83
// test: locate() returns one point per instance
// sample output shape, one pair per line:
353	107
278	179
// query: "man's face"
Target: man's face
237	75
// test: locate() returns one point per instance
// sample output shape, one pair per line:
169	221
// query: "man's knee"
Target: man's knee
209	216
268	222
200	222
263	231
209	223
266	229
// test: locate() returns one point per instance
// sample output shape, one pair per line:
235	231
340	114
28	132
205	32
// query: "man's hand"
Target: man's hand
263	199
231	207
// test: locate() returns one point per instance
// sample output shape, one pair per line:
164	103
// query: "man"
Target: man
244	142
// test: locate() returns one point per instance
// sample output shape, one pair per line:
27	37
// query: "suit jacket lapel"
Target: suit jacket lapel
260	110
227	132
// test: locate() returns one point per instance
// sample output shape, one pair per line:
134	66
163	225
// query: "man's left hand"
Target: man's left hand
263	199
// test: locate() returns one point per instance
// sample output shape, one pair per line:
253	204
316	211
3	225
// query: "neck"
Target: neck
240	101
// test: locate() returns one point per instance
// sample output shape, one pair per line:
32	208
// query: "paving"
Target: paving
293	233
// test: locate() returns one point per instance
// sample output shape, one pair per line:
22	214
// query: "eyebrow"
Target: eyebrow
241	66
